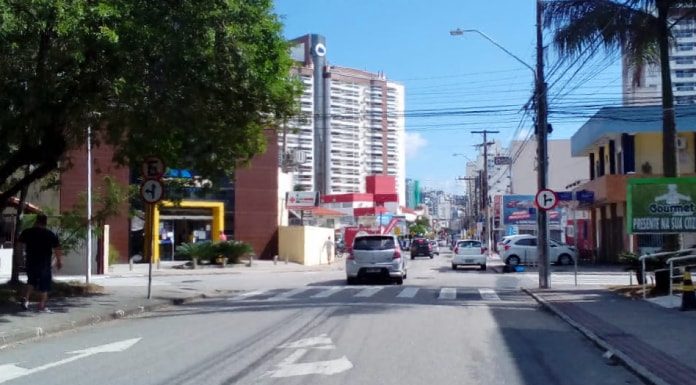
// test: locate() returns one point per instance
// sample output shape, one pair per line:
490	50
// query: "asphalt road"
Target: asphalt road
440	327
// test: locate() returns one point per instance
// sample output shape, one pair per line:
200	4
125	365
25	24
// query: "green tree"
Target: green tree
71	225
194	82
642	30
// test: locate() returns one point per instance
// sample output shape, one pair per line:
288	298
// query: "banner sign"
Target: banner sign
301	199
661	205
519	210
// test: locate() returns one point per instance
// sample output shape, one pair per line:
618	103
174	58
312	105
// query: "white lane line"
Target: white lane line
408	292
488	295
287	294
448	293
246	295
368	292
328	292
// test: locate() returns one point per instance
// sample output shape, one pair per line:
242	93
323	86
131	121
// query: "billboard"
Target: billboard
301	199
519	210
661	205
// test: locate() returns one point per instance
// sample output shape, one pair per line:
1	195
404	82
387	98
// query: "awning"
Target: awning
324	212
28	207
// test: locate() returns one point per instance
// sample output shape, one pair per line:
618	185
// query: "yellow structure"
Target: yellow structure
306	244
218	212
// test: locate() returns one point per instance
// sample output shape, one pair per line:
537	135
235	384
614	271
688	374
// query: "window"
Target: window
467	244
374	243
526	242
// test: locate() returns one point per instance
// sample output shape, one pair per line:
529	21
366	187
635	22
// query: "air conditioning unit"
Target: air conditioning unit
681	143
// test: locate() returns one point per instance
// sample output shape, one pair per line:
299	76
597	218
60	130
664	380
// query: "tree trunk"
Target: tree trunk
16	255
669	129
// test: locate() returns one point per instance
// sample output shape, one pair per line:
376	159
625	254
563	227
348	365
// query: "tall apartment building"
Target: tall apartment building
644	88
351	125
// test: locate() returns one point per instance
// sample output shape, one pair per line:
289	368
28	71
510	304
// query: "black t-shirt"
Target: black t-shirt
40	243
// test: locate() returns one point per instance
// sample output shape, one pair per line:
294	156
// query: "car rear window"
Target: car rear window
374	243
469	244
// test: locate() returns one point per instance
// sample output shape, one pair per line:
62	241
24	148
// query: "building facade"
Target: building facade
621	143
351	125
413	193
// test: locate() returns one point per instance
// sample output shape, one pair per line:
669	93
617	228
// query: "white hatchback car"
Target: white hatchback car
522	249
469	252
377	256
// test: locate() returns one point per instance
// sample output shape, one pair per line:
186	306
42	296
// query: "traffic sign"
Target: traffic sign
153	168
546	199
152	191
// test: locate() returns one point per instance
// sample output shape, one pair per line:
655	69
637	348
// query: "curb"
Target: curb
627	361
94	319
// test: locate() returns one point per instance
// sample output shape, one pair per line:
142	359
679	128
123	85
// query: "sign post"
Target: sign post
151	192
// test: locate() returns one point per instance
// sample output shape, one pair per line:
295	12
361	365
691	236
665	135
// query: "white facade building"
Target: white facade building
356	117
564	169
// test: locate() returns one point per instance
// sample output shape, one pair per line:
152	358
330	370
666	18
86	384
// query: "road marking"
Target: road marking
408	292
489	295
247	295
287	294
11	371
319	342
289	367
328	292
368	292
448	293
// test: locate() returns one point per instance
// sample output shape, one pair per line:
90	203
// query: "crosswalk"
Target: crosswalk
380	293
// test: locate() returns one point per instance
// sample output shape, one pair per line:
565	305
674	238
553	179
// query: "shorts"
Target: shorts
40	279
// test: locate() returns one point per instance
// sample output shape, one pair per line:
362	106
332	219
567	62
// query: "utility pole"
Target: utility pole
484	185
470	201
542	160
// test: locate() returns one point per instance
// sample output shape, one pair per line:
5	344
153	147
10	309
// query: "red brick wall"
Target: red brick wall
256	201
74	182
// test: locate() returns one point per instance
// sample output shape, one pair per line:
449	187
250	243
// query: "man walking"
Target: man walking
39	243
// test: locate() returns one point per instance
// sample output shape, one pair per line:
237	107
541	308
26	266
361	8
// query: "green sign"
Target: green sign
661	205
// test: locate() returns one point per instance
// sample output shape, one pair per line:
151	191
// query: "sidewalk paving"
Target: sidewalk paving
656	342
125	295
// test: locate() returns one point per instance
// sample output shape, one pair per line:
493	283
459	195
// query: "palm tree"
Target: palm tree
640	28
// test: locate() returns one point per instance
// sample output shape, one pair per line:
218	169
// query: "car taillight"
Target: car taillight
456	250
507	247
483	250
397	254
350	256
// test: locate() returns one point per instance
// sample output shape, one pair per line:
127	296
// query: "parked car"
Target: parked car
375	256
435	247
469	252
522	249
421	247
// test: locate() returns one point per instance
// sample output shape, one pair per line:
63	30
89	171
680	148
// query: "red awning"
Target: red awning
407	210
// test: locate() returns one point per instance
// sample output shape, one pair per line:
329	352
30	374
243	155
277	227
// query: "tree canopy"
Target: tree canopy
193	82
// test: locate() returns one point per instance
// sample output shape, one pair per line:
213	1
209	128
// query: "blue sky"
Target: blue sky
465	82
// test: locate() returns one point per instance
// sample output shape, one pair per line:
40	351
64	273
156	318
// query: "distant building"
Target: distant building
564	168
351	125
413	193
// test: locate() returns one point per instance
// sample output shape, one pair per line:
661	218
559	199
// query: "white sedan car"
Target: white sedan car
522	249
469	252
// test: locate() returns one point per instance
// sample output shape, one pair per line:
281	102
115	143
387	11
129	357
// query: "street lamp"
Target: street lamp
541	132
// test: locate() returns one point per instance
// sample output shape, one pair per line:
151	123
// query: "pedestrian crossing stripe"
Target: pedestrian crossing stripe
328	292
488	294
368	292
448	293
288	294
408	292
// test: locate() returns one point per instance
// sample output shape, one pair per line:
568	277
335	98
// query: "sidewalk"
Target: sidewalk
655	342
125	295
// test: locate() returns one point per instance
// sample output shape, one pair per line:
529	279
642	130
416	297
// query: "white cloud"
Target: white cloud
414	142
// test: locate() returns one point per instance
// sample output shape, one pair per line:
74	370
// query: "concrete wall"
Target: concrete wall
5	262
305	244
563	168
